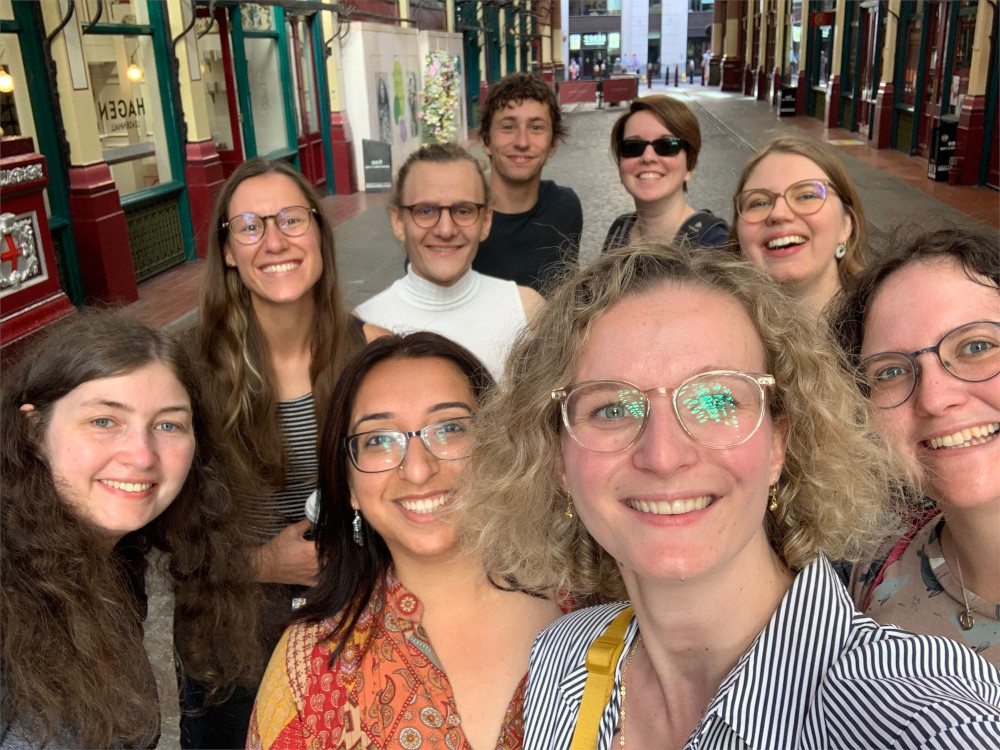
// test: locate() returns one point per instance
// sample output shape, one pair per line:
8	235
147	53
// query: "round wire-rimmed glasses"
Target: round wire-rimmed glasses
802	198
427	215
970	352
248	229
385	450
717	409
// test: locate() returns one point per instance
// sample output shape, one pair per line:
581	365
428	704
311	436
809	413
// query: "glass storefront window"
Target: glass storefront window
122	11
257	17
912	61
595	7
126	88
263	73
15	105
213	74
300	66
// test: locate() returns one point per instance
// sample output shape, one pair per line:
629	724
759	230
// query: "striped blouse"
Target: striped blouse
820	676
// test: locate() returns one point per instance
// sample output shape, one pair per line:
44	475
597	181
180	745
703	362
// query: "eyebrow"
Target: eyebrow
376	416
108	404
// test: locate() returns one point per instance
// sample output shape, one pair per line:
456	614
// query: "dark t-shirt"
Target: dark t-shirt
529	248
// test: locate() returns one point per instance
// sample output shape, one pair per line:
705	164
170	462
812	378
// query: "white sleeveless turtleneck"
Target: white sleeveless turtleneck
480	312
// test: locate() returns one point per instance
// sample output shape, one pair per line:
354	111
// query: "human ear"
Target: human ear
779	446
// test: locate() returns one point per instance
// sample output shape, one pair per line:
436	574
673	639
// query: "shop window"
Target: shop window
964	34
256	17
126	90
266	94
300	66
595	7
213	73
793	35
912	61
15	106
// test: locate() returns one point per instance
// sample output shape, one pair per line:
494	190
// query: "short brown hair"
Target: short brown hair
436	153
516	88
673	113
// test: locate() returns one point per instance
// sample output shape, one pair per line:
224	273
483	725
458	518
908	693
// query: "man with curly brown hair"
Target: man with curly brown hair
536	223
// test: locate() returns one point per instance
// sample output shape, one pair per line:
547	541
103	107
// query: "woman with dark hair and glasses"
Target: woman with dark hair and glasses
273	335
440	211
404	642
923	327
798	216
656	145
676	433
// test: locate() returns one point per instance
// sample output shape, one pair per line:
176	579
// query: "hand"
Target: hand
289	557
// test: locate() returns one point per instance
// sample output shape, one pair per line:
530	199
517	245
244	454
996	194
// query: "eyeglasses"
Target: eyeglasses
427	215
803	198
384	450
717	409
970	352
633	148
248	229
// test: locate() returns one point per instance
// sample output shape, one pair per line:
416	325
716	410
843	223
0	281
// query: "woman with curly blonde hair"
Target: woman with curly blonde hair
674	431
107	455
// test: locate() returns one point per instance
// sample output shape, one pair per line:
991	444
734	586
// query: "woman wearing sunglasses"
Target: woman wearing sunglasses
656	145
923	325
273	335
404	642
680	436
798	216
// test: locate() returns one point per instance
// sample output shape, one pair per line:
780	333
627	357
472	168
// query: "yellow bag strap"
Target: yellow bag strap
602	658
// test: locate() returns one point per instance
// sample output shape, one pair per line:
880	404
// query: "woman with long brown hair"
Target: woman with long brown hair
273	335
106	455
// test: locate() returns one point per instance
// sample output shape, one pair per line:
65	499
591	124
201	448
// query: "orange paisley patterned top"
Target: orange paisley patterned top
386	690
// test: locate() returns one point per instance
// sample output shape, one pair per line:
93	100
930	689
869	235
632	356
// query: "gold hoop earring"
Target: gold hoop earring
569	507
772	496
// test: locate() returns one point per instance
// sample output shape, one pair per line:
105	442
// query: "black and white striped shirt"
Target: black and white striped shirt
820	676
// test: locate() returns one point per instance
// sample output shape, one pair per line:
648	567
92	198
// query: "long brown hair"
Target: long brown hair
71	614
233	346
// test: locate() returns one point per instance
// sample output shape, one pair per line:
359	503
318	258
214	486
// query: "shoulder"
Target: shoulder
568	638
705	229
928	691
619	232
552	194
531	301
369	310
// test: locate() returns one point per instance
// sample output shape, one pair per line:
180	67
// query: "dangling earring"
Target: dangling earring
356	525
840	251
569	507
772	496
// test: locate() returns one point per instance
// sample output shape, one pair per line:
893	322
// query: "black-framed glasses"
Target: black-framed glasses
384	450
718	409
248	229
970	352
802	198
427	215
668	145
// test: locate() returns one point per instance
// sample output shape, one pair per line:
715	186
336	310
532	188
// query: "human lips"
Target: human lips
646	175
965	438
670	507
785	241
281	267
427	504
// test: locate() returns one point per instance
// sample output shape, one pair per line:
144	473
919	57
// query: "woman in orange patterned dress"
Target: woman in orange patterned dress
404	642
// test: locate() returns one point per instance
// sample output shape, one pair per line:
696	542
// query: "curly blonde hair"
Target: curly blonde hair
838	476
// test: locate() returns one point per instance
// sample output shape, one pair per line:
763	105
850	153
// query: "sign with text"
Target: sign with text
377	157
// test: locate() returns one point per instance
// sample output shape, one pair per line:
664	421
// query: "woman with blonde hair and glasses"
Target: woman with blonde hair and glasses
798	217
676	433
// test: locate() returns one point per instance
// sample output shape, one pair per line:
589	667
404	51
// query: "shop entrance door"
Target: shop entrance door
299	32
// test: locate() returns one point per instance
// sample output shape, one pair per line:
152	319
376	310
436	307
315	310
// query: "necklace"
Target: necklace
965	619
621	712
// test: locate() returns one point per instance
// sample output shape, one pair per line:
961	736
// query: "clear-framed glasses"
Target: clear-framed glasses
668	145
384	450
718	409
803	198
427	215
248	229
970	352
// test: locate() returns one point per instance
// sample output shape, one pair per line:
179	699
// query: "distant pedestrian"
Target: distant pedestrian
656	145
574	69
634	64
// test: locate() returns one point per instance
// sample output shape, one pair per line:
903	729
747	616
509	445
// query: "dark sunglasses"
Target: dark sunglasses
668	145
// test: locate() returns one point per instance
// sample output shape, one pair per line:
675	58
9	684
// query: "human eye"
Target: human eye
425	210
609	409
290	219
102	423
975	348
808	191
172	427
891	372
248	224
463	210
757	199
378	442
883	372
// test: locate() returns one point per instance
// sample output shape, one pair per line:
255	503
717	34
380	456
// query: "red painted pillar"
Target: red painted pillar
342	147
204	176
881	121
969	141
101	233
800	95
30	294
762	86
775	87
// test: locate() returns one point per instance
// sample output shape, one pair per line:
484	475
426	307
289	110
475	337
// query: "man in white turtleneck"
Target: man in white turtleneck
440	212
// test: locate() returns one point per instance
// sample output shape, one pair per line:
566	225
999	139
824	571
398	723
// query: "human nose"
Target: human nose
936	390
274	238
445	226
780	210
419	464
137	449
521	137
664	446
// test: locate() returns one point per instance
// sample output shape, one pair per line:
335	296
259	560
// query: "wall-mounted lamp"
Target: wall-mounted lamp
6	80
133	71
